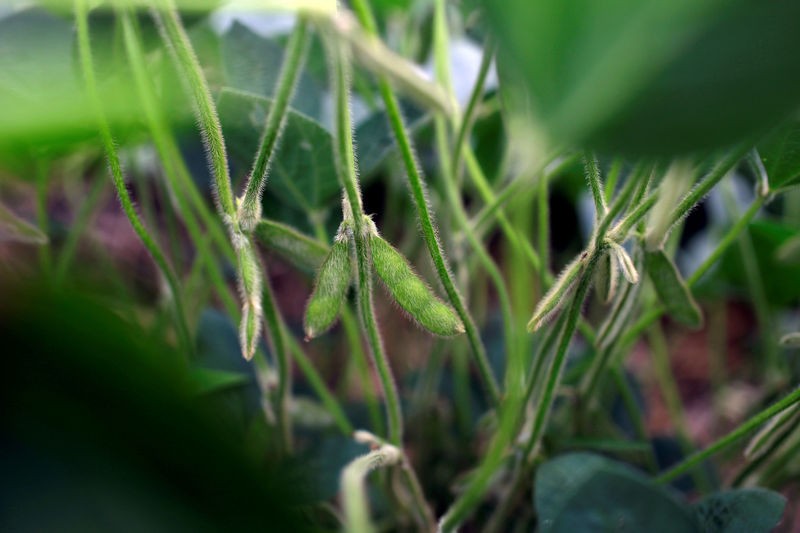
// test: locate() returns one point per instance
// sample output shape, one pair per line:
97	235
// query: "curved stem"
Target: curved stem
741	431
250	207
171	28
274	325
472	106
115	167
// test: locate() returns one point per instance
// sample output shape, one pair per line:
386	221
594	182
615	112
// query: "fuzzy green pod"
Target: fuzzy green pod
330	289
672	289
413	294
250	287
625	262
605	278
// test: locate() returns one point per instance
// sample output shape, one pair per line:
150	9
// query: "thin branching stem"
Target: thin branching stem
731	438
115	167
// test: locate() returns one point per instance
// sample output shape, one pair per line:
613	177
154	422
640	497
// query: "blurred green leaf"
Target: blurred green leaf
780	153
648	76
585	492
780	280
752	510
252	64
206	381
375	140
672	289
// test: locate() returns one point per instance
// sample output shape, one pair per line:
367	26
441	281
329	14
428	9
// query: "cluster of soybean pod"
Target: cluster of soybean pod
358	250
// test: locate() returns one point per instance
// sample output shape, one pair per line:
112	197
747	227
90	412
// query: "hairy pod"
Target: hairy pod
625	262
302	251
330	289
605	278
553	299
250	288
411	292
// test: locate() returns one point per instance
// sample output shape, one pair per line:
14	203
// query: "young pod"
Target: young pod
605	278
625	262
330	289
250	287
413	294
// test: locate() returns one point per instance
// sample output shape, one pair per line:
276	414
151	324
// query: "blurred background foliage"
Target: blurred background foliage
101	407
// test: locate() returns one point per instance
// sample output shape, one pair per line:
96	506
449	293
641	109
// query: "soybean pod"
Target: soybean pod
330	289
411	292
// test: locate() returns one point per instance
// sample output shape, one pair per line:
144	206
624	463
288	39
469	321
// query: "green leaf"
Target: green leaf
649	76
780	153
252	64
585	492
302	176
207	381
778	274
672	289
375	140
740	511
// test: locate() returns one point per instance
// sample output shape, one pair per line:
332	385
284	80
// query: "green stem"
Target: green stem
346	169
169	157
740	432
173	32
76	231
557	364
250	207
318	386
472	106
275	328
429	233
719	171
87	66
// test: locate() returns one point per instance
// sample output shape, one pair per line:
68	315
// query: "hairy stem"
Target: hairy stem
419	195
250	206
346	170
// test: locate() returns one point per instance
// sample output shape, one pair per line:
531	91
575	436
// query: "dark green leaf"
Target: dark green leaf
585	492
375	140
672	289
302	174
252	64
648	76
778	276
740	511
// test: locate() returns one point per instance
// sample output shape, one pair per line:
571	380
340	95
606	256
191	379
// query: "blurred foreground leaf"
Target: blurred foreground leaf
100	430
648	76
